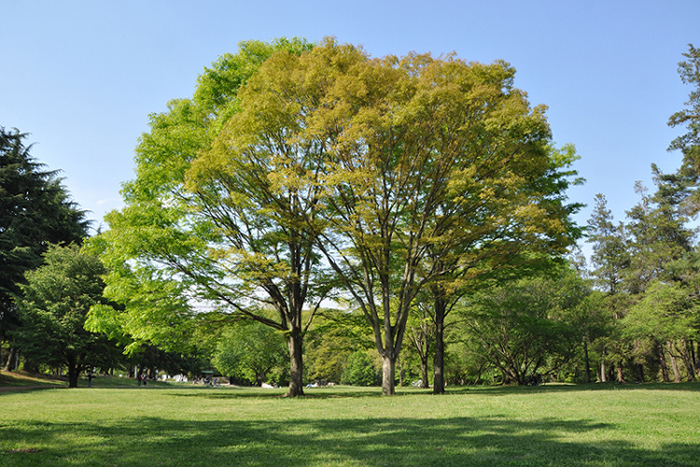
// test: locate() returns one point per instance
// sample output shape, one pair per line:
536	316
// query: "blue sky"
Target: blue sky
82	76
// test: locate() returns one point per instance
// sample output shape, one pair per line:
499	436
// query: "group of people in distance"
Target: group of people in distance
142	379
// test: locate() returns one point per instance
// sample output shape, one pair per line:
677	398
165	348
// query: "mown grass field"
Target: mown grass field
161	425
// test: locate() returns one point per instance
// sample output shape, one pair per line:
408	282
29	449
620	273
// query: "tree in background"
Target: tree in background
334	336
611	261
664	257
526	327
35	211
56	299
361	370
251	352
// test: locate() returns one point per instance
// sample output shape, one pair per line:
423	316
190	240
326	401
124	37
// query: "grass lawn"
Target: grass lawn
170	425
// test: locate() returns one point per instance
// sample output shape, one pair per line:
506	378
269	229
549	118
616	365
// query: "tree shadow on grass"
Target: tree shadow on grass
553	388
340	393
299	442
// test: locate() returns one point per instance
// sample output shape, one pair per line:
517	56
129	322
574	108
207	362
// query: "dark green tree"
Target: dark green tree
611	262
527	327
361	370
35	211
55	301
663	268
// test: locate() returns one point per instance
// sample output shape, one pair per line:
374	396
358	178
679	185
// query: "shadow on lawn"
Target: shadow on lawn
334	393
458	441
552	388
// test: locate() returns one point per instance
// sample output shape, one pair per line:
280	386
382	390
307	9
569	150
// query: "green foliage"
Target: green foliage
55	302
203	227
361	370
35	211
689	143
529	326
666	312
610	247
334	336
251	352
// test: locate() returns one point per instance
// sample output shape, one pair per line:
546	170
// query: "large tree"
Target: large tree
216	219
401	159
428	155
55	302
35	211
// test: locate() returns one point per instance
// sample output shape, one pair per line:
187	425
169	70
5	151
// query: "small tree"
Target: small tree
56	300
361	370
250	351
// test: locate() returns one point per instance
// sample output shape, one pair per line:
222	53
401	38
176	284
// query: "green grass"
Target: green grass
24	380
597	425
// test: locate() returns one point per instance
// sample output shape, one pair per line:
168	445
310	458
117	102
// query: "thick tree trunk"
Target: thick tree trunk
439	363
73	373
439	359
296	369
388	375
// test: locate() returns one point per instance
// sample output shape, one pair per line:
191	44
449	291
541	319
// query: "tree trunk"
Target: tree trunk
662	362
388	375
586	361
11	363
424	371
73	373
674	364
620	374
603	371
296	370
439	359
687	360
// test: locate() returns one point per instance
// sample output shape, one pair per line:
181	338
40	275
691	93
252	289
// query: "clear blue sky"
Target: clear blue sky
82	76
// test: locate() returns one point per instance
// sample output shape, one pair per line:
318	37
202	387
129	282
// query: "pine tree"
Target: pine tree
35	211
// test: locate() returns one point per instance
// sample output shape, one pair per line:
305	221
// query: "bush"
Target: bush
360	371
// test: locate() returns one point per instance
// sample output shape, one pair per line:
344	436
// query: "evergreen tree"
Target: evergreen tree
35	211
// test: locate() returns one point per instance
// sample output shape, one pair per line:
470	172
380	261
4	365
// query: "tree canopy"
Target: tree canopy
396	170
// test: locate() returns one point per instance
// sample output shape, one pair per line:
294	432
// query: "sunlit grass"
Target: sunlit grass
195	426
